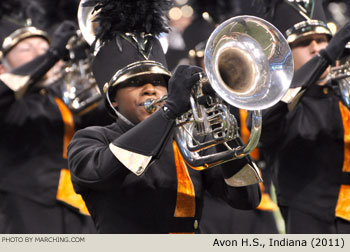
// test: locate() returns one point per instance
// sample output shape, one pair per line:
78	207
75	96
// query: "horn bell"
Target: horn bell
86	16
248	63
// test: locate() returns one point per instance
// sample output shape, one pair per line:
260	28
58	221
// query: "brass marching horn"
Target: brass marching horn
81	92
249	65
86	16
341	76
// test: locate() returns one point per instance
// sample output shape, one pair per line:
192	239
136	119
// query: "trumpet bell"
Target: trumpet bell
248	63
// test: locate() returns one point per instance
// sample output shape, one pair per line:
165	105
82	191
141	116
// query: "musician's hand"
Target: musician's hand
81	51
337	44
179	89
60	38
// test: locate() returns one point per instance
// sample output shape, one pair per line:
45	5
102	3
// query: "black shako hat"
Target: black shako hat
11	8
11	30
297	18
49	14
127	34
126	57
12	33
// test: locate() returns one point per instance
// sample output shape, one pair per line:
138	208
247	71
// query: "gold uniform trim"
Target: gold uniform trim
68	121
342	209
185	199
65	190
343	205
266	203
345	113
66	193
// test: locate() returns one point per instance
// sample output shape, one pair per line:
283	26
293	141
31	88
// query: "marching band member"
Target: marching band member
306	135
36	193
35	125
131	173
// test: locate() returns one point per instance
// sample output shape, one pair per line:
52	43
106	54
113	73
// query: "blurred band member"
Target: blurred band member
36	194
305	136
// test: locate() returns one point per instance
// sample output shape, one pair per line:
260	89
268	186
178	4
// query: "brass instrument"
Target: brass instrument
151	104
81	92
341	76
85	21
249	65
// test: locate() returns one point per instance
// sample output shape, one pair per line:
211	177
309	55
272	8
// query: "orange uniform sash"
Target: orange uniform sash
65	190
343	205
266	202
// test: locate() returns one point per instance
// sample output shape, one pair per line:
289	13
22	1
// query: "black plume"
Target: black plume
48	14
266	8
135	16
10	7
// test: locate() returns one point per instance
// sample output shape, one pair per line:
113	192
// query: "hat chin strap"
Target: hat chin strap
6	64
123	118
119	115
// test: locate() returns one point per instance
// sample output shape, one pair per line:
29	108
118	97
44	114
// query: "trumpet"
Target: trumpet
249	65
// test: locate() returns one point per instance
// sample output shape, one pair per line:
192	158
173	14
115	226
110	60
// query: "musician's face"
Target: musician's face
306	48
131	96
26	50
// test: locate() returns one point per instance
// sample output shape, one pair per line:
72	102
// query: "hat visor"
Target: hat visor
307	28
18	35
136	69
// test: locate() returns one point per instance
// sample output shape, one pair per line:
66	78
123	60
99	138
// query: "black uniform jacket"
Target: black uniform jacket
121	202
31	145
219	218
36	127
305	146
35	132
